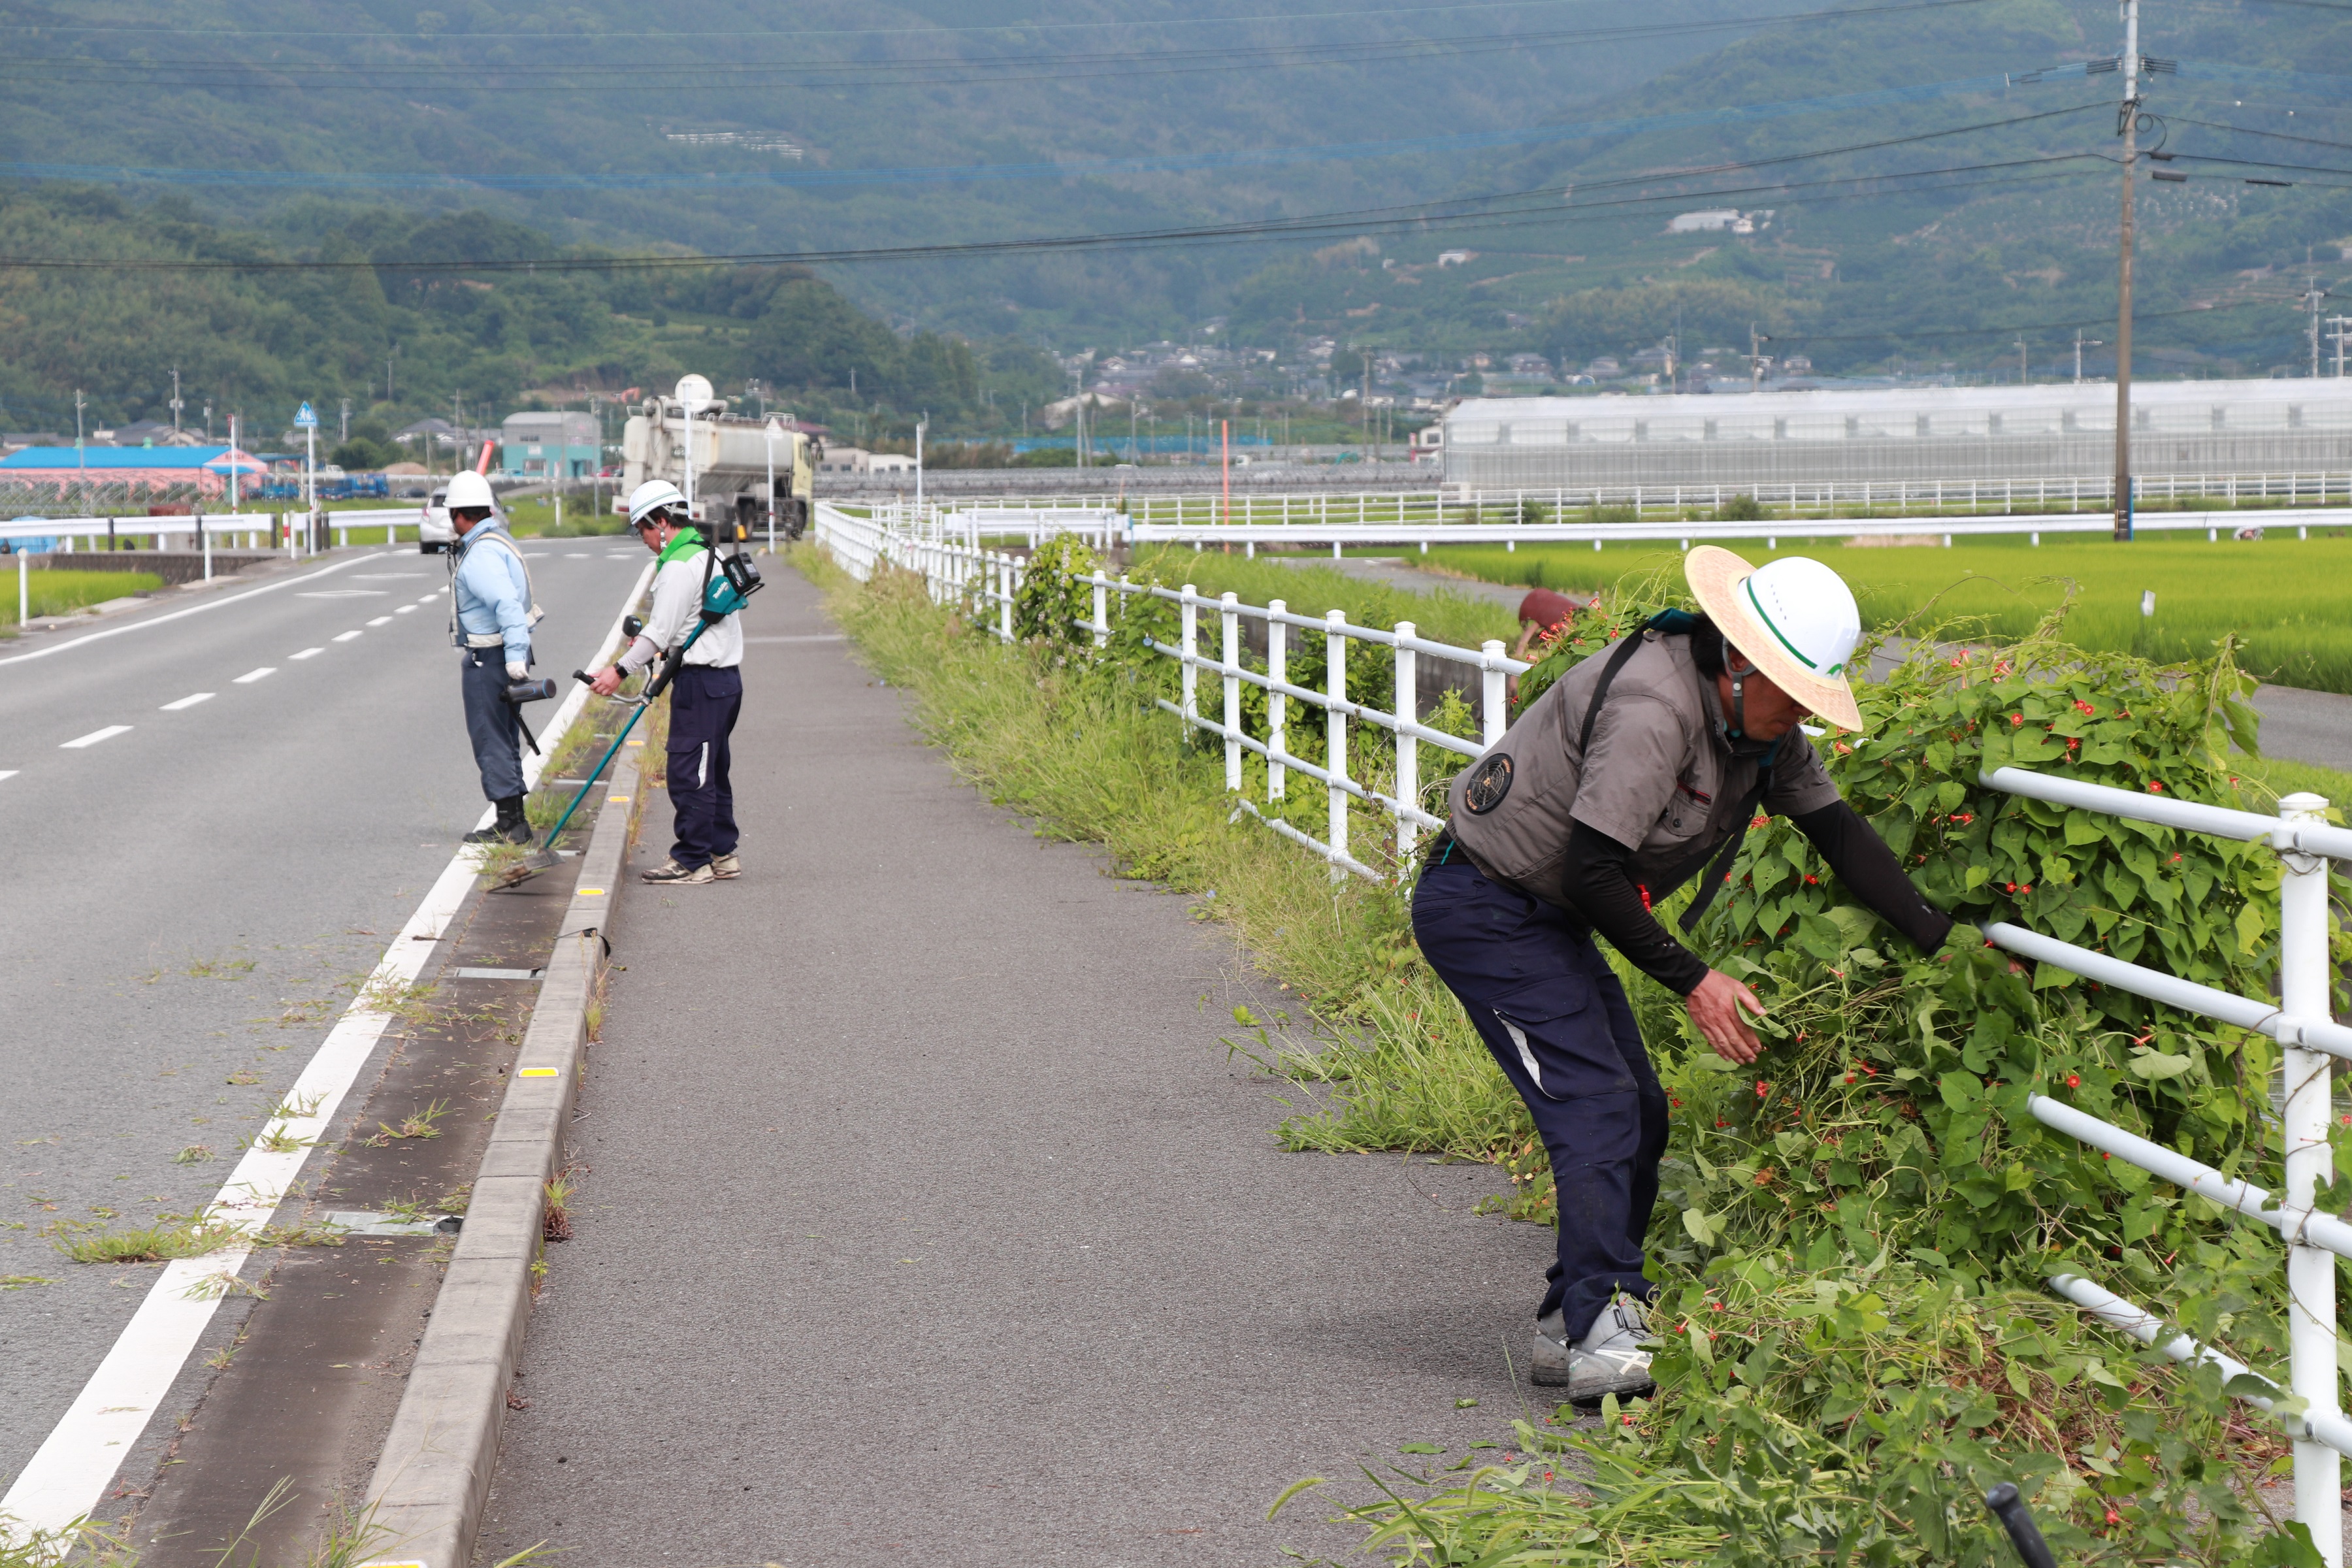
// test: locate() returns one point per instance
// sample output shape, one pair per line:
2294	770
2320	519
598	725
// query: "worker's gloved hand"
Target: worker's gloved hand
515	671
1717	1006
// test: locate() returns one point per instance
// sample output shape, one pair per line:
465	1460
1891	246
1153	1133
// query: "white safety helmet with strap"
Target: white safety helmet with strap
469	491
656	495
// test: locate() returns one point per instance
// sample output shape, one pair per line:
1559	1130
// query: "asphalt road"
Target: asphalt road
924	1217
187	902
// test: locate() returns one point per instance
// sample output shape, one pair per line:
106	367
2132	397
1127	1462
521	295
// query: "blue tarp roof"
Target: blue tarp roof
111	457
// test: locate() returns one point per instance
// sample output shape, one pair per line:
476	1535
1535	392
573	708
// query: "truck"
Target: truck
731	460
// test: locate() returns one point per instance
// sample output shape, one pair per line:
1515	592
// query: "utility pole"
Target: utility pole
81	459
388	360
2128	127
1756	341
2022	372
176	405
2311	295
2081	342
343	432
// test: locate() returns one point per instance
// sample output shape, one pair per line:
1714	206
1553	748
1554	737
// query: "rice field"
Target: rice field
55	592
2290	599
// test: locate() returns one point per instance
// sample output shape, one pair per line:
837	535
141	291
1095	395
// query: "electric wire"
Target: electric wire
923	71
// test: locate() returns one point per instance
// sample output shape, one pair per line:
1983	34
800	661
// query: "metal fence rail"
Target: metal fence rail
2302	1023
986	583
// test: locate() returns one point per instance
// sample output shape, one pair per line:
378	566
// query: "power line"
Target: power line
1573	130
926	71
1317	225
928	30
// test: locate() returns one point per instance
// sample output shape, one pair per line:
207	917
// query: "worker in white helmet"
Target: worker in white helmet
1642	765
492	612
705	696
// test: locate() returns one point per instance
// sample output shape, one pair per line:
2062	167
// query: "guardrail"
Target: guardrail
203	531
2302	1023
988	581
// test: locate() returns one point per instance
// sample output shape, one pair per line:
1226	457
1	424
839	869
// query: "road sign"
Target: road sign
304	419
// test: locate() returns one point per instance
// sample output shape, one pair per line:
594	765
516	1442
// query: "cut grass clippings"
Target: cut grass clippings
157	1244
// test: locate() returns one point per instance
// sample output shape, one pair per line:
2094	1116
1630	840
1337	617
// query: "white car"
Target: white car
433	535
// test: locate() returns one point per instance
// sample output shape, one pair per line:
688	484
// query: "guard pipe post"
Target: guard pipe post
1335	730
1102	611
1408	745
1277	701
1188	678
1231	624
2304	982
1491	699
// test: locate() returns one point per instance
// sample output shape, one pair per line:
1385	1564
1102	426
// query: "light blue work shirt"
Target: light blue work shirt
492	591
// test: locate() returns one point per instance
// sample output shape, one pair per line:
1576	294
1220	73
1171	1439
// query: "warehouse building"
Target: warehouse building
536	446
2054	434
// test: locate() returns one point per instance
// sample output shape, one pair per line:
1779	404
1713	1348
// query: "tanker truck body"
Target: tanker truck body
731	456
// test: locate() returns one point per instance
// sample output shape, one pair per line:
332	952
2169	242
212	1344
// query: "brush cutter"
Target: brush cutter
720	599
2018	1520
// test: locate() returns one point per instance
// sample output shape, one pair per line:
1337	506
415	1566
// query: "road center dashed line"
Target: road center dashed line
403	609
346	637
250	676
95	736
188	702
386	620
10	772
306	653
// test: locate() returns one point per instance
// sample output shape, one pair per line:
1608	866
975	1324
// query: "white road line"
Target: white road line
250	676
191	610
429	599
188	702
387	620
68	1476
306	653
95	736
10	772
576	555
403	609
345	636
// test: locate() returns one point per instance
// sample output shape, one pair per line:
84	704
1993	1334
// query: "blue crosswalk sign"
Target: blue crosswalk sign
304	419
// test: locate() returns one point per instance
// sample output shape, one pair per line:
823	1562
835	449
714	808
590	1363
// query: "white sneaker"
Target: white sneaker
1609	1359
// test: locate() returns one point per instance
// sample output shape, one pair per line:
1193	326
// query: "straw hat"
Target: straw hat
1794	619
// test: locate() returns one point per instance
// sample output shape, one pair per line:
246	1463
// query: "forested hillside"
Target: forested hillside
255	337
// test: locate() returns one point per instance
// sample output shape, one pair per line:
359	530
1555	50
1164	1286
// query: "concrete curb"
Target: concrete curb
434	1476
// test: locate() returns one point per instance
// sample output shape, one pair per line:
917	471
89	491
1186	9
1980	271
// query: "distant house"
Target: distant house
1456	258
1706	221
1606	365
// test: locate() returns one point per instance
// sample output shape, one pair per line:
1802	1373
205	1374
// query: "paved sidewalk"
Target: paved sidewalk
929	1221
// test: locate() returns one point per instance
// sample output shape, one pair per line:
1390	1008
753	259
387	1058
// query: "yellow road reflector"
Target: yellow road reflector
591	892
636	742
617	800
534	1072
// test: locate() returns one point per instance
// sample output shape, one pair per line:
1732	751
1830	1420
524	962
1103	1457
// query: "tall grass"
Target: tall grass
58	593
2291	599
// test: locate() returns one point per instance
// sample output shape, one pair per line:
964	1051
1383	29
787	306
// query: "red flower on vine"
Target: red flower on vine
2015	720
2074	1080
2155	787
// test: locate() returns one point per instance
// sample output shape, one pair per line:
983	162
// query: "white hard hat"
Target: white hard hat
1794	619
468	491
653	496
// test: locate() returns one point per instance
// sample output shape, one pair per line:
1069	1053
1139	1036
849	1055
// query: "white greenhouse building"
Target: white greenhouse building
2265	436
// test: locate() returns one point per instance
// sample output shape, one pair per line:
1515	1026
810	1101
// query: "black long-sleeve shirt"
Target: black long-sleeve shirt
1605	895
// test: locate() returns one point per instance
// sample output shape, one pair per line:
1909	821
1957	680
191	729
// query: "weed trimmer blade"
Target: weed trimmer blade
540	858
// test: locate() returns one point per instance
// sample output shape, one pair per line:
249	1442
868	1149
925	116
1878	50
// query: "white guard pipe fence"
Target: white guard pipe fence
2300	1021
223	531
987	582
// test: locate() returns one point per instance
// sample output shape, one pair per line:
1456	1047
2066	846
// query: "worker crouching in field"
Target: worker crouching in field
1613	788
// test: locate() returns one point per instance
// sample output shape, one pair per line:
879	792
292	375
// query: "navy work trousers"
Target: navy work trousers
703	703
1545	1001
492	723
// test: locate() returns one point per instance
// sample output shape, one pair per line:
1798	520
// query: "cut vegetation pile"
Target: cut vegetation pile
1855	1235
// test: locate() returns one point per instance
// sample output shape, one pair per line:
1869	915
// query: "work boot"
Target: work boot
510	827
1608	1359
727	868
671	871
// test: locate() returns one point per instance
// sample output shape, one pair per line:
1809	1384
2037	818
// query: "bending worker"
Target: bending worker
1613	789
706	695
494	613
